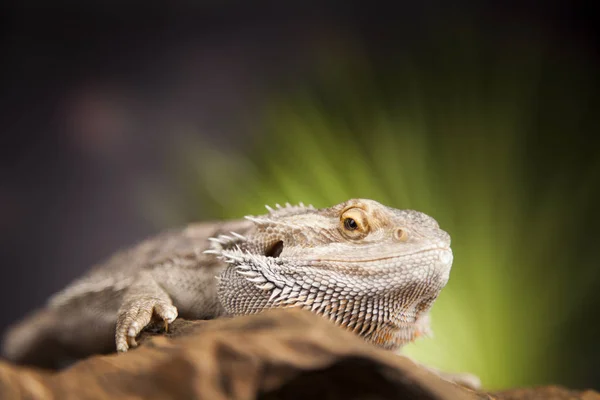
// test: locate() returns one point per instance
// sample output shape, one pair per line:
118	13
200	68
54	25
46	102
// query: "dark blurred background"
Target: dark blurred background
120	119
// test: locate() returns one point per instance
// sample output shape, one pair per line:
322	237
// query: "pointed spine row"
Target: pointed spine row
279	211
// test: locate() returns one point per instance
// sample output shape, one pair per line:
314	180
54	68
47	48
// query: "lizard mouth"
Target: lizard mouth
445	256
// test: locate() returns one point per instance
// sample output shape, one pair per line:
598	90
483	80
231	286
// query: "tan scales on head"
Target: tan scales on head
371	268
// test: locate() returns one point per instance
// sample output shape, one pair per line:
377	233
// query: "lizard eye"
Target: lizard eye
354	223
350	224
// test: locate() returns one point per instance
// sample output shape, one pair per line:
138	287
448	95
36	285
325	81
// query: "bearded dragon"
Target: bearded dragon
369	268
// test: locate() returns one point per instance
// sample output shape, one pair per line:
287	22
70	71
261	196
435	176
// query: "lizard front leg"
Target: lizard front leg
143	300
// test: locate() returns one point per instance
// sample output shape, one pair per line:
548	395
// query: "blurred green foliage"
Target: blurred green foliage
488	140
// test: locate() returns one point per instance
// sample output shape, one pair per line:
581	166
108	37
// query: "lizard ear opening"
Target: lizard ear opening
275	249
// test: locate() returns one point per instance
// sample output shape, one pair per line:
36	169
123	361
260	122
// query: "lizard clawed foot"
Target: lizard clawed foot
136	316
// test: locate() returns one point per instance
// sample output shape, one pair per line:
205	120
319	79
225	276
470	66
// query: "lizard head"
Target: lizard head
371	268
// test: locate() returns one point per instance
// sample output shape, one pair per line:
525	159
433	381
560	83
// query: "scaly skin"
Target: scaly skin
378	279
369	268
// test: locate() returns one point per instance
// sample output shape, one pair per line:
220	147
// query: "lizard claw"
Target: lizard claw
137	316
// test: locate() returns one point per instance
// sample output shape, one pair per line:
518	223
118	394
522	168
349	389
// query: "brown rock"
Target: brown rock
281	354
546	393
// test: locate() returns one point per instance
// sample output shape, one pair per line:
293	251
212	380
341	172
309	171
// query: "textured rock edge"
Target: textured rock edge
278	354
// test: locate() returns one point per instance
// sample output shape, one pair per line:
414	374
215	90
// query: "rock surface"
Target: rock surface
281	354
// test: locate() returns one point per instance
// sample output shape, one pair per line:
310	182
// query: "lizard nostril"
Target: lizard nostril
401	235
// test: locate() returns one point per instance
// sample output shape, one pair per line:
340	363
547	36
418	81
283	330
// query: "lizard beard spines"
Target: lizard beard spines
383	310
269	275
257	269
223	242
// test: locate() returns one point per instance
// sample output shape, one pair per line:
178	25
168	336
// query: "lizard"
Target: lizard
367	267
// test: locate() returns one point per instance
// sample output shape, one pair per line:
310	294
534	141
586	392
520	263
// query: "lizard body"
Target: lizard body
370	268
